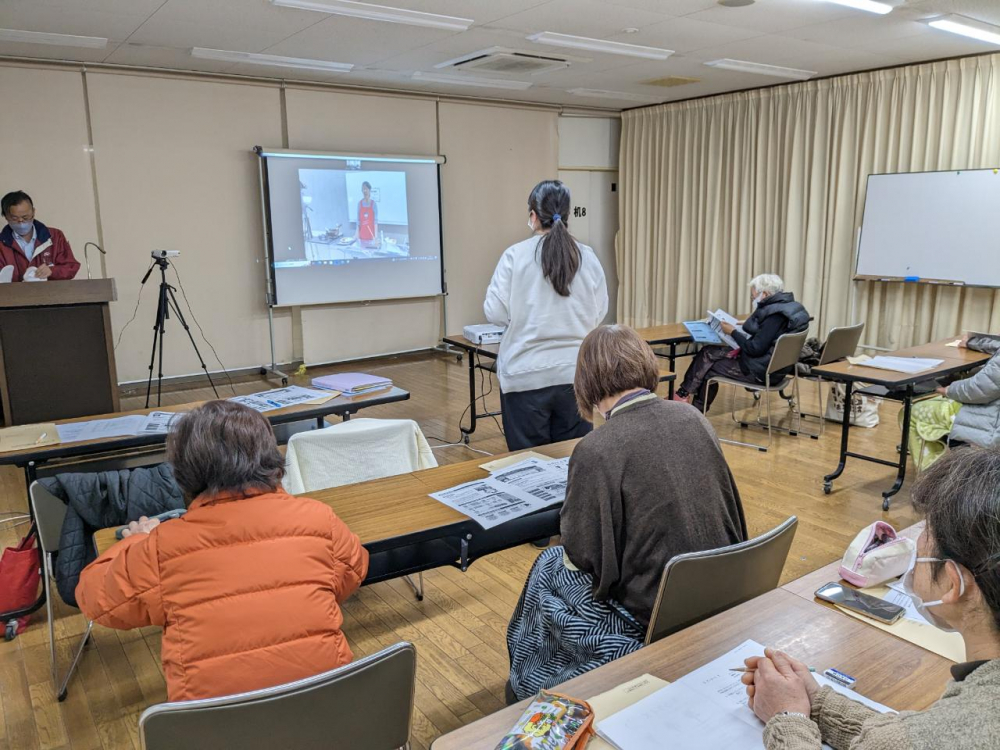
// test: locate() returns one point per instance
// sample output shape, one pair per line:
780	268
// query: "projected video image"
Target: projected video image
354	214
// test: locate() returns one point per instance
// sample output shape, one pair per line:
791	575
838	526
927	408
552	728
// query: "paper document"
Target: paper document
490	502
6	274
702	332
705	710
503	463
160	422
545	480
909	365
31	275
716	319
282	398
894	593
618	699
101	429
26	436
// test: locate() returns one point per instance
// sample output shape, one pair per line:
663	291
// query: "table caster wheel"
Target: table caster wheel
10	631
827	488
885	504
284	381
262	371
62	696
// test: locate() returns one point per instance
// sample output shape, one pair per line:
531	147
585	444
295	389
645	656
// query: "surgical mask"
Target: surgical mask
919	604
756	301
531	224
21	228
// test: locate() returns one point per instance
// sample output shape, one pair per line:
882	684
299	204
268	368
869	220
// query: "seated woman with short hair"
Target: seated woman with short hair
775	313
649	484
247	585
955	582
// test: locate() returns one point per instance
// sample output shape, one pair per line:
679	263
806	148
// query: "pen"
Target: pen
41	438
747	669
274	403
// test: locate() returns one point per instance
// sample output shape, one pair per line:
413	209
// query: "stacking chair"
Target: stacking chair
365	705
786	354
842	342
698	585
49	514
357	451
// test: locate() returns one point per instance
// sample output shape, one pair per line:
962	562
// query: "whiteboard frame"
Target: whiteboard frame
903	279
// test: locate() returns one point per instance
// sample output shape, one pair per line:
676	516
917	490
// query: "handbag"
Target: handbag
877	555
19	574
864	409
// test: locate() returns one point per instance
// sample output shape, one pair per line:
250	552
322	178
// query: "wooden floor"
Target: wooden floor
459	627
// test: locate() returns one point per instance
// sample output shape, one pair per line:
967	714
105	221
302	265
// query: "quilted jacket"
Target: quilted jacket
247	589
101	499
978	420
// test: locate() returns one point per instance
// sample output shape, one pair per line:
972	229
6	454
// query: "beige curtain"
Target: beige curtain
716	190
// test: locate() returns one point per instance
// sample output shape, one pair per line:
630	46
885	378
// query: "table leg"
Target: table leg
472	401
904	450
845	431
673	368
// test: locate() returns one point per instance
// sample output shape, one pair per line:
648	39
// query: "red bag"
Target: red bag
19	575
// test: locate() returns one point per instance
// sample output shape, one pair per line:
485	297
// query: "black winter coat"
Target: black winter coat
774	317
99	500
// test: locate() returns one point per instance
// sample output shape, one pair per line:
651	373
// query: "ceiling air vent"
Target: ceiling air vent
508	61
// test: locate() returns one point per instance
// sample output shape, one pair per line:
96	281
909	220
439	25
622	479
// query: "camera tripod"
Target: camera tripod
167	302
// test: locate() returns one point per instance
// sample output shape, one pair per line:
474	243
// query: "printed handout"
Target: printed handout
545	480
160	422
281	398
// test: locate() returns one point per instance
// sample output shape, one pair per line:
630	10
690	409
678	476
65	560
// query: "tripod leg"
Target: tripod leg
180	316
157	338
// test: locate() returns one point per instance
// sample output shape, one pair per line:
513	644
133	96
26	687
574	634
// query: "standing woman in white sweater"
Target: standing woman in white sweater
550	292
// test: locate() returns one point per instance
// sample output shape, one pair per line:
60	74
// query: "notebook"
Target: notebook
351	383
702	332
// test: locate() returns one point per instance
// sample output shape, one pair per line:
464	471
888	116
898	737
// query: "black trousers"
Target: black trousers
711	361
542	416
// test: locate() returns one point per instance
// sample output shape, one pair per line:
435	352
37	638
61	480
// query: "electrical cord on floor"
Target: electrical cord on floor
134	313
200	329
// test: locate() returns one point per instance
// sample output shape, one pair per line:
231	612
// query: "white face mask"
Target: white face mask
922	606
531	224
756	301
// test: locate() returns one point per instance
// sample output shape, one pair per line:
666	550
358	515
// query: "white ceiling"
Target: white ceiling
811	34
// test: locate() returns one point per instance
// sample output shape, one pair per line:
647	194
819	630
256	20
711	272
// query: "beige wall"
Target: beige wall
45	152
174	171
495	157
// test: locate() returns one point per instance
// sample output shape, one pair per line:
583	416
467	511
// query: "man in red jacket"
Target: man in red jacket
28	244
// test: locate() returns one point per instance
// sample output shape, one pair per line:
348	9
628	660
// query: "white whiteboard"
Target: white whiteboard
933	225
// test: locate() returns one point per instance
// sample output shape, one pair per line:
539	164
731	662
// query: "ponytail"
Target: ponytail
550	200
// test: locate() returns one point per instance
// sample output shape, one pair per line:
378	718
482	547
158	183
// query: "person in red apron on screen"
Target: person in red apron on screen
31	250
367	218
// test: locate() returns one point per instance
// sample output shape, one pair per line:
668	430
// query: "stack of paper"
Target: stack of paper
716	319
101	429
525	487
282	398
352	383
909	365
706	709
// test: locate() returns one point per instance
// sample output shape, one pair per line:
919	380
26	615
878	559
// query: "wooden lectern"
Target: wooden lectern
57	357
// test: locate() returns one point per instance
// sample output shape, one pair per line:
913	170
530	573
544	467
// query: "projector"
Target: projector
484	333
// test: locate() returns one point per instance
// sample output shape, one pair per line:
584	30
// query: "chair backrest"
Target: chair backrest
355	451
49	514
365	705
842	342
697	585
787	351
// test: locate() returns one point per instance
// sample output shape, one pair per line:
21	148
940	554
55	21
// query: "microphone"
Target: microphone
87	257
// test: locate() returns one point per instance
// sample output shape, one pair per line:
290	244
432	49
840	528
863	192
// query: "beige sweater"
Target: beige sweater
964	718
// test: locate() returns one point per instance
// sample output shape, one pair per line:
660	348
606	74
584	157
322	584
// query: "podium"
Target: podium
57	357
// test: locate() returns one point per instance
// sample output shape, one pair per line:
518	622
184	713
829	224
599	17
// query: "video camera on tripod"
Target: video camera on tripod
167	302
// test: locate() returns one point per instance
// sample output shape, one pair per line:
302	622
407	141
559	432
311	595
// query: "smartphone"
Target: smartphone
869	606
165	516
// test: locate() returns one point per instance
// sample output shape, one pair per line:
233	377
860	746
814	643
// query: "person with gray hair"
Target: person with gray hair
954	581
775	313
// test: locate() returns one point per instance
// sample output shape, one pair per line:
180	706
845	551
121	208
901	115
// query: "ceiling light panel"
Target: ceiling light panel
459	80
600	45
58	40
383	13
254	58
606	94
984	32
869	5
777	71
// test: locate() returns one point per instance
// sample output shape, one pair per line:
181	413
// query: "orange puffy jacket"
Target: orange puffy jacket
247	590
